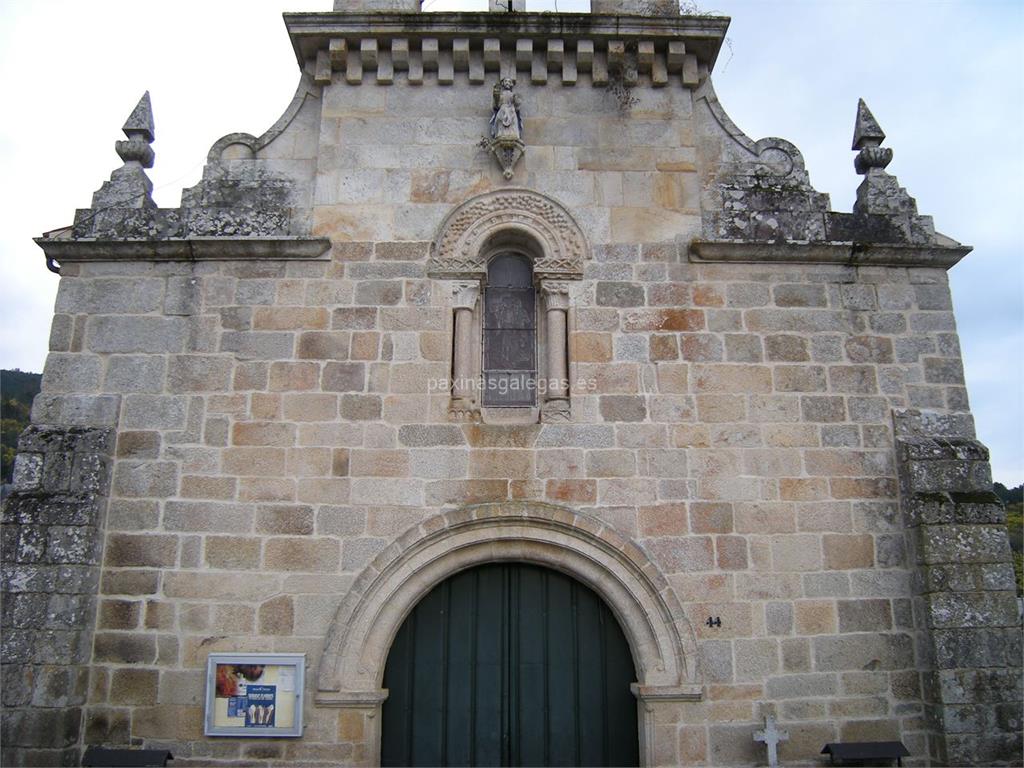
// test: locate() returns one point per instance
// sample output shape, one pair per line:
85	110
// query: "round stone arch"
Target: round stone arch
660	637
467	234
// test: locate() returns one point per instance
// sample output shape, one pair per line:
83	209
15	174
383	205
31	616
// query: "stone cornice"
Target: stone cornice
846	253
535	42
184	249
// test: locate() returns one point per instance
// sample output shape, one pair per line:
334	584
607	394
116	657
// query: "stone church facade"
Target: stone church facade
508	288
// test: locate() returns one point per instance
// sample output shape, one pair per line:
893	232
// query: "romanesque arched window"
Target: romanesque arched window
511	255
509	332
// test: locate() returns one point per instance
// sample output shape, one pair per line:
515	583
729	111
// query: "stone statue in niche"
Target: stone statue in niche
506	123
506	140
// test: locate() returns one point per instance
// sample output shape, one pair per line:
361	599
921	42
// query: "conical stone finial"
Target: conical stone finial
140	122
129	187
866	132
140	132
867	136
879	193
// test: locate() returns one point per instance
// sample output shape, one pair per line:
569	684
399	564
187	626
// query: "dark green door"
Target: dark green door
510	664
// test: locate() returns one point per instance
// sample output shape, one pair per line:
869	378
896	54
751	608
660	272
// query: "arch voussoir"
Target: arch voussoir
459	249
656	628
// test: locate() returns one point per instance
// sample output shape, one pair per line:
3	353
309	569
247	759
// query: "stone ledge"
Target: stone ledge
845	253
651	693
517	42
310	32
185	249
356	699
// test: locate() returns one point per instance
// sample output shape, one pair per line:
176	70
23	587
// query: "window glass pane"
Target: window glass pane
509	270
509	350
510	335
509	308
509	388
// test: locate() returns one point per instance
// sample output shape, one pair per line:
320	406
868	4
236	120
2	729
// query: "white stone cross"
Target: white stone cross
771	736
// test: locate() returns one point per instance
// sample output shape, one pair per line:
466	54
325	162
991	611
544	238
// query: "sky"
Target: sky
944	79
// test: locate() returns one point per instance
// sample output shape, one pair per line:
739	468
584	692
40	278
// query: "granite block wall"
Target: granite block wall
52	544
273	425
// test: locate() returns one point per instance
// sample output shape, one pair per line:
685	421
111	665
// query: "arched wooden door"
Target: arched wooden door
510	665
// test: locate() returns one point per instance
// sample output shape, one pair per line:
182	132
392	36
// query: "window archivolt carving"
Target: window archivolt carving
460	249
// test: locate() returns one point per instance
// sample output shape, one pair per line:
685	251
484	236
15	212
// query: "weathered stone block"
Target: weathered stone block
206	516
732	378
155	412
154	479
234	553
971	609
711	517
361	407
344	377
800	295
815	617
623	408
263	433
324	345
869	349
799	378
663	320
742	348
219	586
199	373
258	345
124	648
129	582
787	348
277	616
73	372
962	544
75	410
864	615
122	333
141	550
620	294
302	554
422	436
863	651
134	687
292	520
843	552
853	379
41	728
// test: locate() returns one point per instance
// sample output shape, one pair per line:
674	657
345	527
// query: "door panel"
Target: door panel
509	665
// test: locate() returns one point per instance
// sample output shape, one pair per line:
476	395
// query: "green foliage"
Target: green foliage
17	388
1009	495
1015	527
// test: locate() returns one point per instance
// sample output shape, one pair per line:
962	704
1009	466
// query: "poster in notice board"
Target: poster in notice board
253	694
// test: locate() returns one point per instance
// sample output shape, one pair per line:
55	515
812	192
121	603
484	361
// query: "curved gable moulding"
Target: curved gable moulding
660	636
459	250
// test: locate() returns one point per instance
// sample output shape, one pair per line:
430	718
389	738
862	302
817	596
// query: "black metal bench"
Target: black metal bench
101	757
866	752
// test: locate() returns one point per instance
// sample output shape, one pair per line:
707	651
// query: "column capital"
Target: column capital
556	293
465	294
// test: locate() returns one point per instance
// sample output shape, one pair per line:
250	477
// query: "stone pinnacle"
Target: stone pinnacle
866	132
140	122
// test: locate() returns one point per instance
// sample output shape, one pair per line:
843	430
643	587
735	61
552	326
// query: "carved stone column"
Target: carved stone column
556	308
465	297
